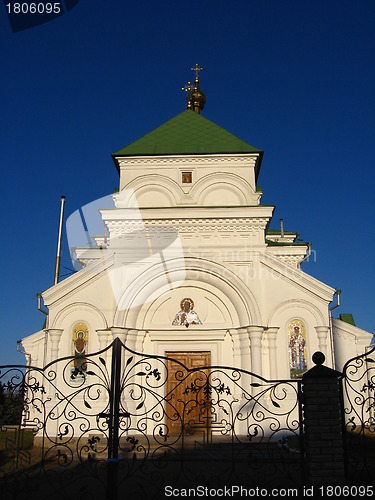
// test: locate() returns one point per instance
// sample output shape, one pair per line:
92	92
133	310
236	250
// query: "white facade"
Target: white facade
187	268
207	242
245	291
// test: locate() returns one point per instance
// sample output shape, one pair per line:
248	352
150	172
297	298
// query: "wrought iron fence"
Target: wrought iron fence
121	422
358	388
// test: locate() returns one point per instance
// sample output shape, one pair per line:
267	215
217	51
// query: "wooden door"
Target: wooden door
187	400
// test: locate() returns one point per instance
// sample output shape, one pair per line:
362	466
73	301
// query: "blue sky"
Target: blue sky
292	77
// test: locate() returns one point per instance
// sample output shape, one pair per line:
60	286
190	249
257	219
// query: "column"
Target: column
54	335
119	332
131	339
255	336
322	332
236	347
104	341
237	361
271	335
141	334
244	348
103	338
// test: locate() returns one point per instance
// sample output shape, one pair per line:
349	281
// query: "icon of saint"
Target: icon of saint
186	316
80	346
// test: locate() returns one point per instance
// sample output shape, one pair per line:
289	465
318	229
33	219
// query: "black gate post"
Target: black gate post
113	422
323	424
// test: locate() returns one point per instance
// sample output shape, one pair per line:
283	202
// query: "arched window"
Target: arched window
80	339
297	347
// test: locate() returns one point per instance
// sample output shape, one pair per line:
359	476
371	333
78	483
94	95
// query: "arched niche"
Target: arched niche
154	191
222	188
154	283
282	316
74	314
213	308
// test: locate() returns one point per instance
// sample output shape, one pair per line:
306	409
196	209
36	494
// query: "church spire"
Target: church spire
196	98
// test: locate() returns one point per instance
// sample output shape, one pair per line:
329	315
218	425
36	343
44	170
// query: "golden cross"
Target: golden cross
187	87
197	69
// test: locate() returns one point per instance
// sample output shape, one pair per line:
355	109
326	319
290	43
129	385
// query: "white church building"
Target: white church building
184	264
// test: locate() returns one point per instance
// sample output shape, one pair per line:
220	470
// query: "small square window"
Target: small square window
186	177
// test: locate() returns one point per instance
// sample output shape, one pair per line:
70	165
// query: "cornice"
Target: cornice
180	335
291	255
179	213
191	225
295	250
290	260
247	160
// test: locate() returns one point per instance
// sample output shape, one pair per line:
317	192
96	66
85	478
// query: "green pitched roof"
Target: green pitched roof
347	318
188	133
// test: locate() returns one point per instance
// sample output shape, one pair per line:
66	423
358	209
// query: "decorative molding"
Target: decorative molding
360	336
187	336
341	334
296	304
194	212
82	308
136	226
290	260
247	160
197	270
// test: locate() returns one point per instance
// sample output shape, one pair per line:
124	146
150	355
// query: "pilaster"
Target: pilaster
119	332
255	337
103	338
244	347
271	335
131	339
54	335
322	333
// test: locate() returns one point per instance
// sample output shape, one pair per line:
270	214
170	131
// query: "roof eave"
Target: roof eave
258	161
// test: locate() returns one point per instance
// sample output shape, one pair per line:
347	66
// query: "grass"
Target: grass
9	439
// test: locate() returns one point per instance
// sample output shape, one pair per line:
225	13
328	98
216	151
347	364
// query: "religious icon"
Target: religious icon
186	177
297	350
79	349
186	316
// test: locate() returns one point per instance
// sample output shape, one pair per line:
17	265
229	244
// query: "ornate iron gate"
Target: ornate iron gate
358	384
104	429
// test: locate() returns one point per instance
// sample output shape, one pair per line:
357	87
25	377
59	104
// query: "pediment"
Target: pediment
296	277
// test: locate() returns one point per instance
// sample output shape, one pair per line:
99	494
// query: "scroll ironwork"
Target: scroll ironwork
358	387
129	424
